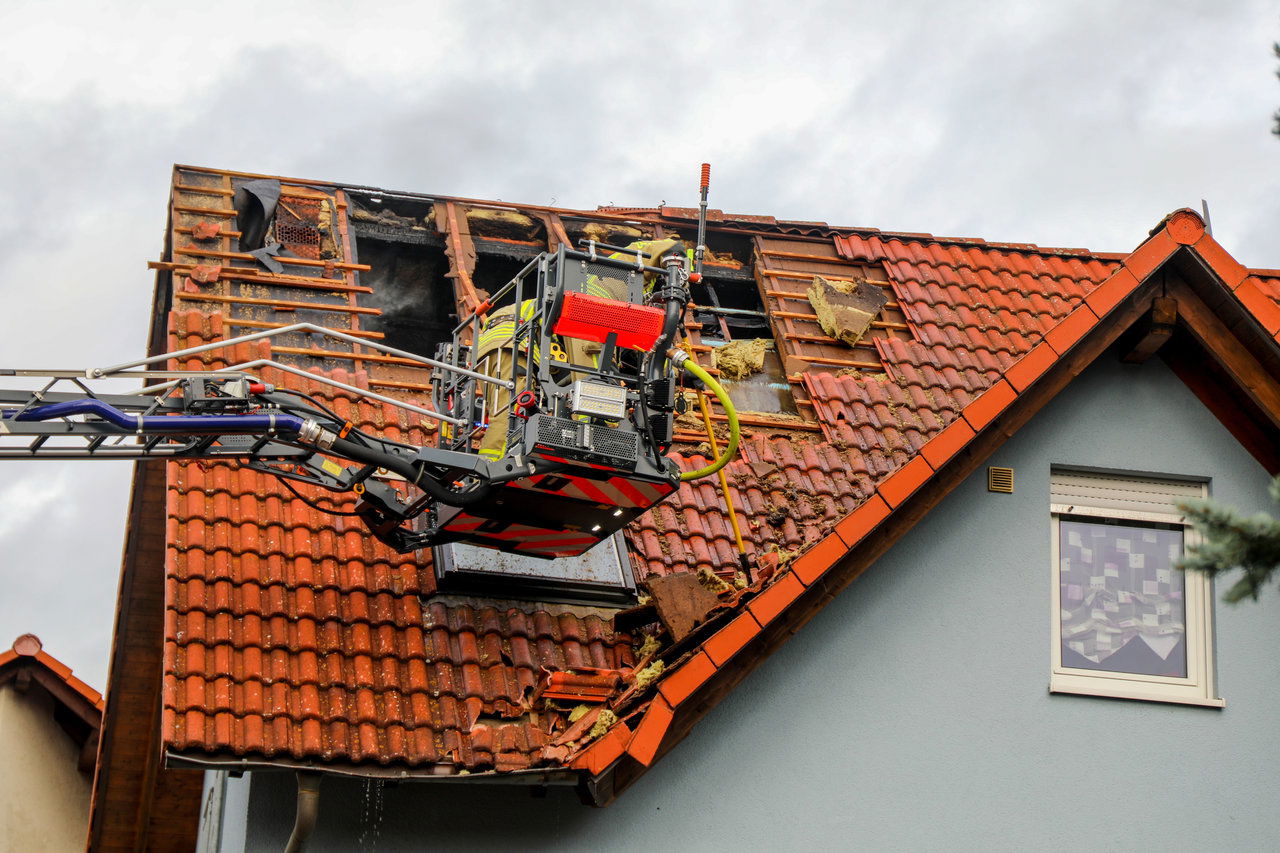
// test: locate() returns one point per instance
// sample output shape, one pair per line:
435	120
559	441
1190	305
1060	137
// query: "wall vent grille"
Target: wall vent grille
1000	480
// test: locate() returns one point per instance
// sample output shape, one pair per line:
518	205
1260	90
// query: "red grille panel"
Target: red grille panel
592	318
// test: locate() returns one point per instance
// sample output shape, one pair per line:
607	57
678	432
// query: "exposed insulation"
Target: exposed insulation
650	646
845	309
713	582
614	233
509	224
330	248
391	219
603	723
737	360
649	674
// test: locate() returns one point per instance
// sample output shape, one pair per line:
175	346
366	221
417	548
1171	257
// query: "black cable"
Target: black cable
338	420
312	400
357	446
415	473
642	409
310	502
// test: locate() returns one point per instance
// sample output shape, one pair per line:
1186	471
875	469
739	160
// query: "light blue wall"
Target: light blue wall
224	812
913	713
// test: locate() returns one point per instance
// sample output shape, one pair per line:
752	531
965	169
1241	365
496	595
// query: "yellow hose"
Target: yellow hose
724	481
731	449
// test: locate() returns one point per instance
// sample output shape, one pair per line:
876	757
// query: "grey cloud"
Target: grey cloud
1079	124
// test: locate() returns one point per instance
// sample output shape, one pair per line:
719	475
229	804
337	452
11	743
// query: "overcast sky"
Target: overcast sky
1068	124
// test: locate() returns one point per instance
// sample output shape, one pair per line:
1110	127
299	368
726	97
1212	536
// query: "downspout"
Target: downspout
308	810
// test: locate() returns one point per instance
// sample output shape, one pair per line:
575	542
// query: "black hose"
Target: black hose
411	471
675	309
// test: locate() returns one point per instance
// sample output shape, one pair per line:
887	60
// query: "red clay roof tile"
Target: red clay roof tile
611	745
1184	226
686	678
990	403
1068	332
726	642
1260	305
809	566
644	744
1150	255
769	603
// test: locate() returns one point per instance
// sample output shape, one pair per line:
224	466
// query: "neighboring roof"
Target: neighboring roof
28	655
293	637
77	707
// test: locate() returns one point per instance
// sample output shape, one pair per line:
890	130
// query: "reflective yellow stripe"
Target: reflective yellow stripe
501	327
494	336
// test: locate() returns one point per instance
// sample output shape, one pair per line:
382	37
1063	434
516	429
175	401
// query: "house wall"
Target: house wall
44	799
224	809
913	712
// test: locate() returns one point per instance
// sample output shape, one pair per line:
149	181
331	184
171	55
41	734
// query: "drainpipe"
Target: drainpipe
308	810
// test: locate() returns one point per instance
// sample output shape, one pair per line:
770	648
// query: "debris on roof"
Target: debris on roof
682	602
583	684
737	360
604	720
649	674
846	308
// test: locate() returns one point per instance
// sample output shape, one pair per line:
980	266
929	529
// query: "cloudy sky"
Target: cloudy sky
1076	124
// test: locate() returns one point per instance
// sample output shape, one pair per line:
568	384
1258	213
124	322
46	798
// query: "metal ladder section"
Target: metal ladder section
85	433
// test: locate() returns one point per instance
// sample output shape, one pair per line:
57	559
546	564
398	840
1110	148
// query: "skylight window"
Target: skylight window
601	575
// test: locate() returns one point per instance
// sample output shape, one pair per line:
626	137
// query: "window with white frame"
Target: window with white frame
1126	621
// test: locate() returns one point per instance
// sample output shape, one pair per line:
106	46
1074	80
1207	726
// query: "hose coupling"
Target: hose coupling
313	433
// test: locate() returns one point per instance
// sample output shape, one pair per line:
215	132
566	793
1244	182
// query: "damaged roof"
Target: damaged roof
293	637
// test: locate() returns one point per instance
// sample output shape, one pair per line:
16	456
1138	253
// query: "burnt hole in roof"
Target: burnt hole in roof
735	295
729	310
722	249
419	210
410	288
612	232
492	273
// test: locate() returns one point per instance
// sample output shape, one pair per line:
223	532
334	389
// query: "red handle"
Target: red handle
525	403
706	175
